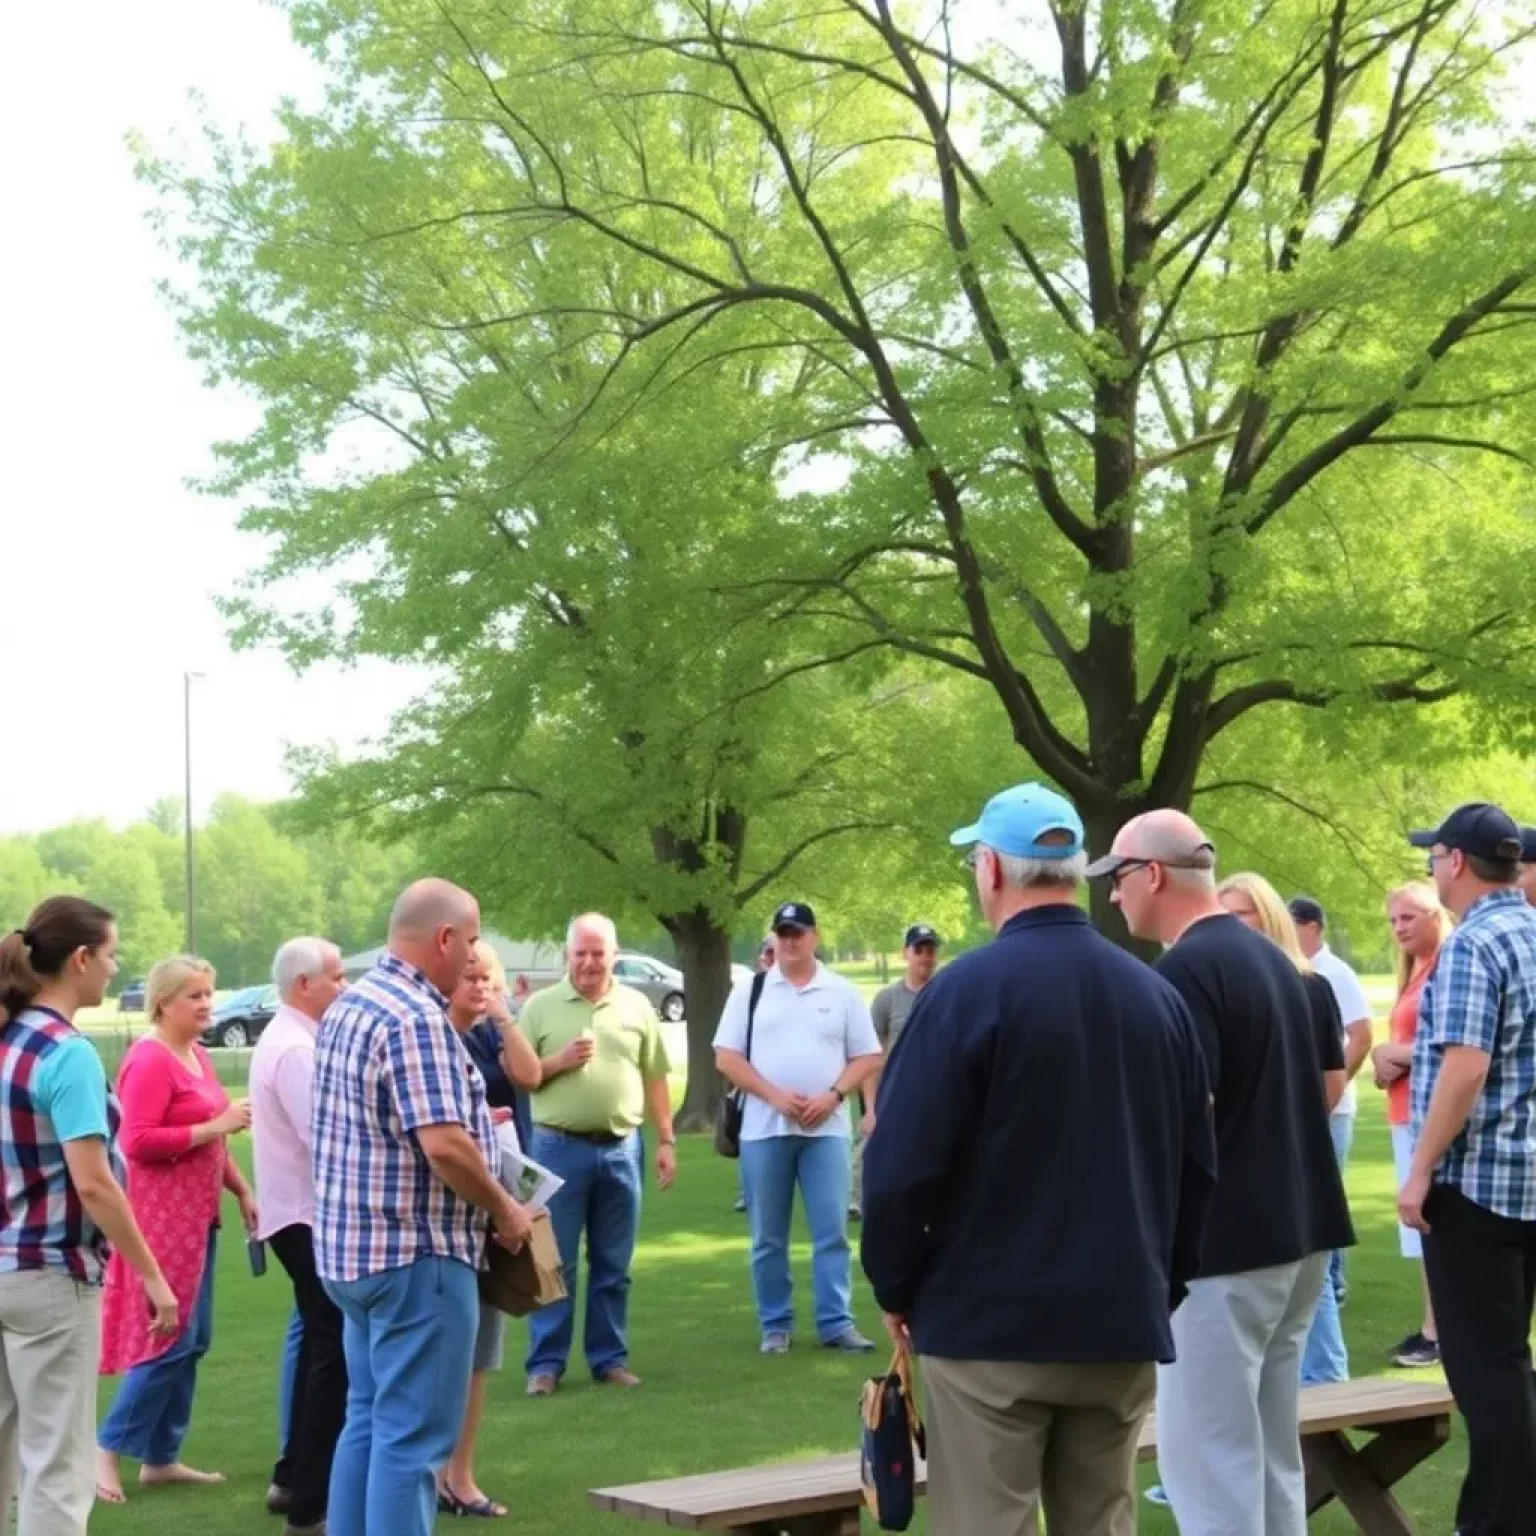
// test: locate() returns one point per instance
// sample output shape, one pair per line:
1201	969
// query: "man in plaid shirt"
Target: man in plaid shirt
1471	1188
405	1197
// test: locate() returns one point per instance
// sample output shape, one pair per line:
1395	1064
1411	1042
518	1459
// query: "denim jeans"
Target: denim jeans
149	1417
822	1167
1325	1358
1341	1128
287	1375
409	1334
601	1197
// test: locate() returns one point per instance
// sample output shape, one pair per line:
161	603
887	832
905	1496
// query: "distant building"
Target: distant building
539	961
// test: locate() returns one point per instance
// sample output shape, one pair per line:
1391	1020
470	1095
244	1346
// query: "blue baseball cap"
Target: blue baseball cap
1528	845
1484	830
1015	821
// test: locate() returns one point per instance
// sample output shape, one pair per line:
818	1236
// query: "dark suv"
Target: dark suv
242	1016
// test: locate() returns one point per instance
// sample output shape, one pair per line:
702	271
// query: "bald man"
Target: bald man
1227	1408
405	1197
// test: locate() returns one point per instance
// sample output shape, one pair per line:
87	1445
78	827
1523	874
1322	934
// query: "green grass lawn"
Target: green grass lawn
709	1400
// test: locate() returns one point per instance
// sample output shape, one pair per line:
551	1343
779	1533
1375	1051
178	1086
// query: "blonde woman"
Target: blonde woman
176	1119
1420	925
1256	903
478	1012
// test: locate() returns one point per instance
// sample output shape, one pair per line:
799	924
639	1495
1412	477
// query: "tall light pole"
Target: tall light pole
186	736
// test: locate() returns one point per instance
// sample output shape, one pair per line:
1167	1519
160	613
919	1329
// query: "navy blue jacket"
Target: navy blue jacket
1043	1153
483	1042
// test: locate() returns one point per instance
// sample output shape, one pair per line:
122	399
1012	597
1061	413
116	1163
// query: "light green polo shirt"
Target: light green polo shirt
608	1094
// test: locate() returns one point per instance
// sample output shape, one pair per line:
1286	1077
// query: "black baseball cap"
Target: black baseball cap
794	914
920	933
1304	909
1483	830
1528	845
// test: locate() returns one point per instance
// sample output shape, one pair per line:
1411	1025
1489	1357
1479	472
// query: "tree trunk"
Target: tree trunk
704	948
1101	822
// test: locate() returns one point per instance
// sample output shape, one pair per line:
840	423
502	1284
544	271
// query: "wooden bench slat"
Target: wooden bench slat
711	1499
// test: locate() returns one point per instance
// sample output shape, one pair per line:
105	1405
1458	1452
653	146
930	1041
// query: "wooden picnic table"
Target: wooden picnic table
1402	1422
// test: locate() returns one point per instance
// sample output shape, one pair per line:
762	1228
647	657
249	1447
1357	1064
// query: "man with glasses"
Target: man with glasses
1227	1409
1471	1187
807	1046
1034	1192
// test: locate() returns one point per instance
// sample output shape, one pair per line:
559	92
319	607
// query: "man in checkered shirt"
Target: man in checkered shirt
405	1197
1471	1188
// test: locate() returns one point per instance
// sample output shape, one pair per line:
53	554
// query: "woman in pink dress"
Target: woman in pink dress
176	1116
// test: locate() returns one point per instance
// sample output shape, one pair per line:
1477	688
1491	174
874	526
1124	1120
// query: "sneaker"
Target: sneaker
741	1204
1158	1495
850	1342
1416	1352
855	1214
543	1385
774	1344
279	1499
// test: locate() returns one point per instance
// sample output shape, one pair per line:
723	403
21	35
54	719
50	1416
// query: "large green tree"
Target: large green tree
1175	356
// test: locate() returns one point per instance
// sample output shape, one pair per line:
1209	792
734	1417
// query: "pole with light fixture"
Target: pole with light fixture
186	734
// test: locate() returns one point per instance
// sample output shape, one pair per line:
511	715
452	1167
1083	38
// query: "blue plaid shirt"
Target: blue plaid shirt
387	1063
1482	994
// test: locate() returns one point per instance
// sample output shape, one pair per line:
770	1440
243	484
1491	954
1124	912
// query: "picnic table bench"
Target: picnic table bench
1406	1422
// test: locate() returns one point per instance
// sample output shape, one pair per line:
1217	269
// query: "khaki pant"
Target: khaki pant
50	1345
1005	1440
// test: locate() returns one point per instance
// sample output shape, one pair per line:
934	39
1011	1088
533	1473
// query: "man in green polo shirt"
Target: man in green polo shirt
602	1063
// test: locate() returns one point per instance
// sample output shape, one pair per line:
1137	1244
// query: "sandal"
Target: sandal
482	1508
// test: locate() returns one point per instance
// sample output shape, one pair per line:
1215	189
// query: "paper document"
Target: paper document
528	1182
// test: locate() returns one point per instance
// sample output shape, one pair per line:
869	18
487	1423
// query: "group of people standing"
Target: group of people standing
380	1113
1127	1187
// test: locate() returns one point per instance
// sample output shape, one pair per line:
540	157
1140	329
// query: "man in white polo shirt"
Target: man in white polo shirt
797	1056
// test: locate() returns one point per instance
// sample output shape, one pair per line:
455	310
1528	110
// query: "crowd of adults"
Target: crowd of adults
1088	1183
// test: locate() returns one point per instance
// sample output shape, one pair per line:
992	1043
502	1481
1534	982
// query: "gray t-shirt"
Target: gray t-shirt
890	1010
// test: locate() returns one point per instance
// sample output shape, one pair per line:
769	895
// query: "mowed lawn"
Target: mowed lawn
709	1400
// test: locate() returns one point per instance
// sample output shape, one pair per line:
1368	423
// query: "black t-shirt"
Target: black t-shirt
1327	1022
1278	1195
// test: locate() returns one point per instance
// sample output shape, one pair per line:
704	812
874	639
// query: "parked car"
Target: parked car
242	1016
131	998
661	983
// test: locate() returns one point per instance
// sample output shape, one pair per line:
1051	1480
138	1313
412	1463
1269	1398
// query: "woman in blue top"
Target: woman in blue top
62	1205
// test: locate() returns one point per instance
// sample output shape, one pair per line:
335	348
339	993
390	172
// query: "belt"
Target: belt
597	1138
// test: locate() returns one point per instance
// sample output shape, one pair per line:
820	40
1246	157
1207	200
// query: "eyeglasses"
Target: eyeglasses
1120	871
1434	858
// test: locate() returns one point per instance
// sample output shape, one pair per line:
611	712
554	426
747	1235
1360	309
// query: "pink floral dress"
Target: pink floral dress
174	1190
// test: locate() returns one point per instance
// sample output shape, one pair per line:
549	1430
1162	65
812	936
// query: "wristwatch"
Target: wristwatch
842	1098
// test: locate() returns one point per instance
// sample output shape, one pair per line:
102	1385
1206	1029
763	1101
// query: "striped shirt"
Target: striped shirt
388	1063
1482	994
52	1090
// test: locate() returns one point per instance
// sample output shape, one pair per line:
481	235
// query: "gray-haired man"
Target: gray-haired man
309	977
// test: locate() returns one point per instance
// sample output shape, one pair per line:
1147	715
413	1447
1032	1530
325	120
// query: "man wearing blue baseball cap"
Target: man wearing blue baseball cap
1528	863
1471	1187
1034	1191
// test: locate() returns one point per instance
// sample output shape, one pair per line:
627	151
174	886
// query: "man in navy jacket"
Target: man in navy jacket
1034	1193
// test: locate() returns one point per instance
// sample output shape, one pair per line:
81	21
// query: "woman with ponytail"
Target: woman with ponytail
62	1206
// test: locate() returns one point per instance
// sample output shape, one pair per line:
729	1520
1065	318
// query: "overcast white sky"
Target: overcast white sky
109	564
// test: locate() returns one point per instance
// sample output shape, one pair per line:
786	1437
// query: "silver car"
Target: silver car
660	982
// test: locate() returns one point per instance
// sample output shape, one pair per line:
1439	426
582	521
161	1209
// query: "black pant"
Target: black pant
320	1384
1482	1281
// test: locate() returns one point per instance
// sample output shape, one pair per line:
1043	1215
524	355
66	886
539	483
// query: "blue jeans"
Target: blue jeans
409	1335
601	1197
287	1370
1324	1357
153	1407
823	1168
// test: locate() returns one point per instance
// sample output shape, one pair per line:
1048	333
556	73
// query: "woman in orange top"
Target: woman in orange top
1420	925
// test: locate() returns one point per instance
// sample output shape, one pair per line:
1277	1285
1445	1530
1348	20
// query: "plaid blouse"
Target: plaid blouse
387	1063
1482	994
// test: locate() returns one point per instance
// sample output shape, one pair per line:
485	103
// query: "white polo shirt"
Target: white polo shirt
802	1040
1350	996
